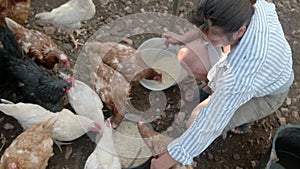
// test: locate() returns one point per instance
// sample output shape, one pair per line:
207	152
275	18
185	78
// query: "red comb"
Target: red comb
71	80
108	123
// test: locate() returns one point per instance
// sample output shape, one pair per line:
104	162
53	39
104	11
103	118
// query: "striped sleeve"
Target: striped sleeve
209	124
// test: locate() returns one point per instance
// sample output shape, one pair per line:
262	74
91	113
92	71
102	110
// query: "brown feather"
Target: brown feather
31	149
18	10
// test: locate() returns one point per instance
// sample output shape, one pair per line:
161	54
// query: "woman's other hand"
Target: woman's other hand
172	38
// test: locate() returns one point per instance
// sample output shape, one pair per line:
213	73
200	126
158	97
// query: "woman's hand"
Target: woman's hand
172	38
164	161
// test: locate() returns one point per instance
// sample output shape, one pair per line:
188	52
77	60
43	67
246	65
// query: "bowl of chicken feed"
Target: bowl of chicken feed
164	60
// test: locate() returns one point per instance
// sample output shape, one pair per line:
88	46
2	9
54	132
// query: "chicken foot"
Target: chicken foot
79	31
75	41
3	141
59	144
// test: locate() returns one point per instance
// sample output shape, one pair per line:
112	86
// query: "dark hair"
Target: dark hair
229	15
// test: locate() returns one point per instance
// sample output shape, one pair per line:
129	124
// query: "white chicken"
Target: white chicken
104	156
69	16
68	127
85	101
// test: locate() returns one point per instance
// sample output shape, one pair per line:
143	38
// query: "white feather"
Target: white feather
67	128
85	101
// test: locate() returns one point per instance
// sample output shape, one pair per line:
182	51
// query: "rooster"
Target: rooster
125	60
67	127
31	149
34	83
69	16
110	85
18	10
38	45
104	156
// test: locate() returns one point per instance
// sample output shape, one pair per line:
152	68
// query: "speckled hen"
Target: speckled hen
38	45
126	60
110	85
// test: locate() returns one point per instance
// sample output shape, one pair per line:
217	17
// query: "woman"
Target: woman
250	83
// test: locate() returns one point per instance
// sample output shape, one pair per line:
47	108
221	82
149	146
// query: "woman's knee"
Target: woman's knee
192	63
184	55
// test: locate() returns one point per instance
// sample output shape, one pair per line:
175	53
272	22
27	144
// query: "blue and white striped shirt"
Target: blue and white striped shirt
261	64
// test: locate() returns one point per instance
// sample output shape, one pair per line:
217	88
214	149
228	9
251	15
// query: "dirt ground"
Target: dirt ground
236	152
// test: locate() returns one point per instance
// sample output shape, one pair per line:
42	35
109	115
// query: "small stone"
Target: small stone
295	114
104	2
169	129
49	30
145	2
284	109
253	163
288	101
129	22
68	152
210	156
8	126
163	114
236	157
128	41
128	9
168	107
282	120
150	21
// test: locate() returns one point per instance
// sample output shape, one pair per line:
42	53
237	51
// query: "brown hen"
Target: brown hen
18	10
110	85
38	45
126	60
31	149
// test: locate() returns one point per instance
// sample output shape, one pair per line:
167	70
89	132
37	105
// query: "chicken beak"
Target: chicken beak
67	63
67	89
71	80
158	78
96	128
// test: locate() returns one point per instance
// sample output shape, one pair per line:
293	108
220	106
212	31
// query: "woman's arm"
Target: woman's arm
174	38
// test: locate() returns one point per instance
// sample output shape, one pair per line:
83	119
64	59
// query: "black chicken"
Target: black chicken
34	83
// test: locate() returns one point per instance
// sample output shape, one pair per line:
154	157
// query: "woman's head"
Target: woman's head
224	21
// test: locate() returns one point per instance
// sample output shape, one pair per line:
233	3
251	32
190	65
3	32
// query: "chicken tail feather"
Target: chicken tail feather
49	124
6	101
11	24
44	16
